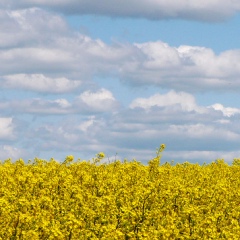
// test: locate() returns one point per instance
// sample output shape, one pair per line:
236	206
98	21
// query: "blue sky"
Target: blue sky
123	77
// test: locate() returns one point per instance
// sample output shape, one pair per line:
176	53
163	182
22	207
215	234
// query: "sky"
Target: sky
120	77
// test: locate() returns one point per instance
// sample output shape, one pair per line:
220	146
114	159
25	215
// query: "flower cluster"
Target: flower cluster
119	200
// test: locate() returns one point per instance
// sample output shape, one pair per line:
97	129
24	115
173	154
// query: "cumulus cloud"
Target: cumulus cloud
135	131
88	102
16	26
47	55
101	100
39	83
129	131
227	111
211	10
185	68
53	49
185	100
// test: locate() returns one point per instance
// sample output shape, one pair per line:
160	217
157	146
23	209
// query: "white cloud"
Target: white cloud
63	103
16	26
49	54
185	68
40	83
6	128
55	22
38	61
101	100
159	55
172	118
86	124
8	151
185	100
53	49
227	111
38	106
88	102
201	131
223	121
212	10
132	132
118	133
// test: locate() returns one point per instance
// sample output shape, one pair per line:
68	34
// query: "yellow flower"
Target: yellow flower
100	155
69	158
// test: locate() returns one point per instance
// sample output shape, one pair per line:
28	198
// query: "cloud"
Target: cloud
186	68
185	100
212	10
177	121
201	131
75	134
138	139
133	132
35	21
54	59
101	100
49	54
88	102
8	151
37	106
83	126
227	111
6	128
39	83
53	49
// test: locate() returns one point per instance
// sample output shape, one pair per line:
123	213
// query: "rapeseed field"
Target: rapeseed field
119	200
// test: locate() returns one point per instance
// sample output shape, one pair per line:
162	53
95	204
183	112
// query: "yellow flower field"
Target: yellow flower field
119	200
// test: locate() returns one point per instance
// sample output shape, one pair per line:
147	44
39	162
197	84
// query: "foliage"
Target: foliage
119	200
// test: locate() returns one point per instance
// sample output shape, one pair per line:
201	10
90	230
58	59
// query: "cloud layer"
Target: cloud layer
212	10
66	60
51	103
173	118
